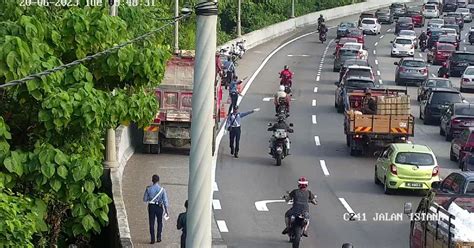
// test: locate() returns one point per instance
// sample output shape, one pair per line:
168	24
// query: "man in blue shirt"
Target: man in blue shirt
157	200
233	126
234	92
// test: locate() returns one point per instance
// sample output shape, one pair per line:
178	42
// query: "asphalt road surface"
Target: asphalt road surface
342	183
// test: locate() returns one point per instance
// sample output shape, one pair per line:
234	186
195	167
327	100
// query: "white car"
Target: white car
430	11
357	46
451	31
467	79
370	25
403	46
435	23
411	34
466	14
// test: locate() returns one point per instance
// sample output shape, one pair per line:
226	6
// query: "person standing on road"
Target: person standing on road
232	125
234	92
157	199
181	225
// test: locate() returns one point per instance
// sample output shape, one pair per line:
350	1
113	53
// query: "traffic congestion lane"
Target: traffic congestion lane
253	175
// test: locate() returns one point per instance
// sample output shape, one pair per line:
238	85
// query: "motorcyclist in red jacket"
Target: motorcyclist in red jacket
286	75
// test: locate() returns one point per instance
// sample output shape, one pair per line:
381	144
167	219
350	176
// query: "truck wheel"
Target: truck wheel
146	148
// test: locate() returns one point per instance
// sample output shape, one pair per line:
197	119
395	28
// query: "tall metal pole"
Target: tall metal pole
176	27
292	8
200	161
114	7
239	24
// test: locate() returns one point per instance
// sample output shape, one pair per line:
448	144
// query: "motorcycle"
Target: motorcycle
322	37
296	225
281	108
279	149
240	48
443	74
423	45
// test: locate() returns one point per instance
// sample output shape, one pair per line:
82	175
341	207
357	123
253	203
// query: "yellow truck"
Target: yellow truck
391	123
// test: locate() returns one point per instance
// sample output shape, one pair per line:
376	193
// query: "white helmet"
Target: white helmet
282	87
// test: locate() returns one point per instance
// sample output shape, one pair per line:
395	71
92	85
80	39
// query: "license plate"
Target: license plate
416	185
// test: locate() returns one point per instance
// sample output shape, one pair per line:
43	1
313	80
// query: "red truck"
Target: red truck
172	124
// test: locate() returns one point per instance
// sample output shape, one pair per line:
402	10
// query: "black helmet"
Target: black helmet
347	245
285	67
321	15
281	118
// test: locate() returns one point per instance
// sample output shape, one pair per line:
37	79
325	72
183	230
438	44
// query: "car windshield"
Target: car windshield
469	71
360	84
446	97
407	33
464	110
451	27
449	20
346	25
463	57
368	21
350	62
430	7
433	83
447	38
414	158
436	32
462	10
355	32
446	48
346	40
405	20
403	41
357	46
413	63
437	21
359	73
349	52
383	12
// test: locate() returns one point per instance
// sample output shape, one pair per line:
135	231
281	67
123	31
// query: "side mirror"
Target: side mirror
291	124
269	124
407	208
436	184
377	153
391	41
395	63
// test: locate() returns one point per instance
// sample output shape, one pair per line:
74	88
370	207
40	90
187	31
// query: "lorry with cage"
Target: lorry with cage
392	122
171	126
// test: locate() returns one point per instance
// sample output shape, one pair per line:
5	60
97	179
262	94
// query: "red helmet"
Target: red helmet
302	182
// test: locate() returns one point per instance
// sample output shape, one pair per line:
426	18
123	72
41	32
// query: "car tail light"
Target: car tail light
424	71
393	169
435	171
455	121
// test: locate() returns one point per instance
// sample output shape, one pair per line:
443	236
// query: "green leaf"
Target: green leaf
60	158
13	165
32	85
96	172
56	37
89	186
55	184
44	115
79	173
103	215
11	60
62	171
47	170
88	222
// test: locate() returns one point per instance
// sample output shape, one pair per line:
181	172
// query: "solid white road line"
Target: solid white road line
313	118
380	81
317	78
262	205
316	140
222	226
313	103
378	73
376	43
315	90
376	62
346	205
216	204
323	167
214	186
266	99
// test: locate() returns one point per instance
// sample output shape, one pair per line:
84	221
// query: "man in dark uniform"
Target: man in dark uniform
181	225
157	200
369	106
301	198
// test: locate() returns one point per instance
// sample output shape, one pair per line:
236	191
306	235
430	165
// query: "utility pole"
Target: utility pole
176	26
239	25
200	161
292	8
114	7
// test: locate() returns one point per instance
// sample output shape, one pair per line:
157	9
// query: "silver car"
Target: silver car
435	23
411	70
466	14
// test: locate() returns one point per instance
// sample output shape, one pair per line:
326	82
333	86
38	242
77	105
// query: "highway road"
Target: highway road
341	182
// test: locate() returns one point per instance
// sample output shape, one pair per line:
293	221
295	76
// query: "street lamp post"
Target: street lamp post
200	162
292	8
239	24
176	26
114	7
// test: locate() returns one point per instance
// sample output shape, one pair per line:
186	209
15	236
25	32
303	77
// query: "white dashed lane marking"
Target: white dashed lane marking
346	205
214	187
313	103
316	141
323	167
222	226
317	78
315	90
376	62
313	118
216	204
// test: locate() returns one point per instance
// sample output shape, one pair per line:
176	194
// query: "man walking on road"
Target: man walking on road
157	200
233	127
181	225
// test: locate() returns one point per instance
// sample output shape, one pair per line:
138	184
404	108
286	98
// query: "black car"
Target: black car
459	183
404	23
467	163
459	18
398	9
450	6
343	28
471	36
455	119
349	62
433	37
436	100
384	16
433	83
458	62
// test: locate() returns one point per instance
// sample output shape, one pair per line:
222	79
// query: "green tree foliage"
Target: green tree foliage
52	129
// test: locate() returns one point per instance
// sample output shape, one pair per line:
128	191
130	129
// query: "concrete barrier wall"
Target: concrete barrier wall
263	35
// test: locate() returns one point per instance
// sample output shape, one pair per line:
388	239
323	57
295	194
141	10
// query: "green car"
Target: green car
406	166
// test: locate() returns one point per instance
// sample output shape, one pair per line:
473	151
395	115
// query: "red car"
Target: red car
343	41
417	17
440	53
356	33
449	39
462	144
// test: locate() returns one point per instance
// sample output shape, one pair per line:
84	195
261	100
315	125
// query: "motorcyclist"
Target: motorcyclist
422	40
286	75
281	124
320	20
301	198
229	70
443	70
281	96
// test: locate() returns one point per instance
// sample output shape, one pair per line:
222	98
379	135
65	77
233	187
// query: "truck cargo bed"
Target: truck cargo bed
380	124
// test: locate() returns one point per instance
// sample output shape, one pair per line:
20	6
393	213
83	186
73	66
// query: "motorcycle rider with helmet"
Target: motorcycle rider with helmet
286	75
281	124
423	38
322	31
443	71
229	70
320	21
280	97
301	198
